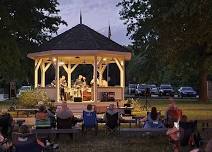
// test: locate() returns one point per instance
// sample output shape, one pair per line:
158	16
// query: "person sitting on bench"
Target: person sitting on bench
65	117
42	119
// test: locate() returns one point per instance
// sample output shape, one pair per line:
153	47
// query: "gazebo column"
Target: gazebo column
120	65
69	70
123	74
95	79
101	71
44	68
37	65
57	80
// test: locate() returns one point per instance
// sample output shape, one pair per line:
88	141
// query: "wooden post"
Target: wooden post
69	75
57	81
121	67
122	74
37	65
43	75
95	79
36	75
44	68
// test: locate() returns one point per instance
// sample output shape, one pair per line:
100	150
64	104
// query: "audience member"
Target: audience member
173	113
4	144
89	108
112	117
65	117
6	123
42	118
174	134
64	112
153	119
111	111
25	141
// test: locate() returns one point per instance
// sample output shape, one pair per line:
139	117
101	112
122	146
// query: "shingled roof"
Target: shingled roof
81	37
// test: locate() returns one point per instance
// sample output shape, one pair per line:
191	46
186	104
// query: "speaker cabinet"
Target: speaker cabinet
77	99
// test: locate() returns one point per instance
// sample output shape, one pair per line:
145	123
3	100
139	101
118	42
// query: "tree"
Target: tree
24	25
178	28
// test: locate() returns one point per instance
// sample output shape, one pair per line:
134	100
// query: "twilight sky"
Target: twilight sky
96	14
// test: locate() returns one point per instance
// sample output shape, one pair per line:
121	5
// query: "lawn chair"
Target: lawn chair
89	121
112	123
189	135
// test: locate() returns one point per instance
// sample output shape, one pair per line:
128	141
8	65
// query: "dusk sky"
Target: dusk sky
96	14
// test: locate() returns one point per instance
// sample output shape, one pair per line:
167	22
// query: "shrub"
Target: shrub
31	98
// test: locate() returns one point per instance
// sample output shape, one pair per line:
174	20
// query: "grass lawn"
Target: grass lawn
103	143
193	109
138	143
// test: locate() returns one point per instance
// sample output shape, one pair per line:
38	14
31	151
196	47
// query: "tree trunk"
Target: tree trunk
203	92
203	75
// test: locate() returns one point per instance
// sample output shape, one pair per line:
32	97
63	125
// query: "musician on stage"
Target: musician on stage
78	85
63	84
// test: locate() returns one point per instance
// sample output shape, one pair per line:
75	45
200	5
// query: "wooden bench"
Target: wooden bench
56	131
52	133
138	131
28	111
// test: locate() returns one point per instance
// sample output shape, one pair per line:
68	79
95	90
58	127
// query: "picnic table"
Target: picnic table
122	110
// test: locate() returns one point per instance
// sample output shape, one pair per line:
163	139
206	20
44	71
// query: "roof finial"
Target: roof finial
109	32
80	17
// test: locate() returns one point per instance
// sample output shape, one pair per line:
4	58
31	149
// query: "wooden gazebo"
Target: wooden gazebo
80	45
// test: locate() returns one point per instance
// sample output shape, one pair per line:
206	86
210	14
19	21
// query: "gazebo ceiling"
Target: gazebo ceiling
81	40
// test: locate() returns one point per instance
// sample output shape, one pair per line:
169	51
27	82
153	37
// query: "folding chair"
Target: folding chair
112	124
188	131
89	121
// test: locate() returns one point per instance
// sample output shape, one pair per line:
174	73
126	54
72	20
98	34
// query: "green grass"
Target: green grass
138	143
193	109
103	143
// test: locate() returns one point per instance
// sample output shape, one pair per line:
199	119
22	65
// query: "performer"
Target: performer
53	83
78	85
92	82
84	81
63	84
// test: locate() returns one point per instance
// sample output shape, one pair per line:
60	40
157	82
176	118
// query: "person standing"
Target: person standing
62	88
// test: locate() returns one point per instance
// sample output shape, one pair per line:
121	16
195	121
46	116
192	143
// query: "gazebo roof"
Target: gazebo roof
81	37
